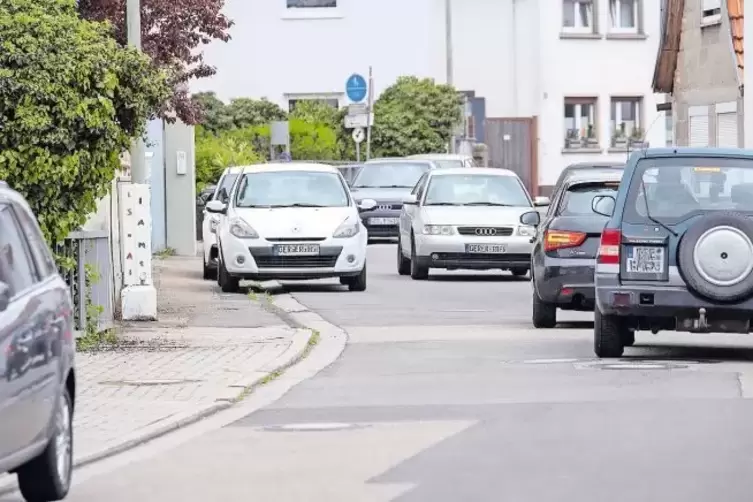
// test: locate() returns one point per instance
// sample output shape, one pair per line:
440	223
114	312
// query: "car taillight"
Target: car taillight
609	248
559	239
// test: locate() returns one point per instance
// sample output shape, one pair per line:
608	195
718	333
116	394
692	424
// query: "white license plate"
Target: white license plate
644	260
384	221
297	249
486	248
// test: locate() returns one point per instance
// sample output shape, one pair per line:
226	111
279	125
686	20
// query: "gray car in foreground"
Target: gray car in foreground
389	182
677	252
37	385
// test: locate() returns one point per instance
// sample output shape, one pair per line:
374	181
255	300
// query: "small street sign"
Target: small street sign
356	121
359	135
356	88
357	109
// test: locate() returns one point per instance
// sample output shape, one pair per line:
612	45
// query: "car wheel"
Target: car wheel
48	476
209	273
519	272
417	272
228	283
544	313
403	263
609	334
358	283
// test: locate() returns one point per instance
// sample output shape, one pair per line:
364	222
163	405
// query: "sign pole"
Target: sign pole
368	114
358	152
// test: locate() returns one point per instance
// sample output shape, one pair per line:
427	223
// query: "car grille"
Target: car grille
270	261
486	231
385	206
487	257
295	239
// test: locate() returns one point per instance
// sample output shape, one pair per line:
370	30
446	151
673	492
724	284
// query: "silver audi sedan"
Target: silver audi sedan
465	218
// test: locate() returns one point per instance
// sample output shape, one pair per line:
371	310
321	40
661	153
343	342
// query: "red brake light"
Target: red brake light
609	248
559	239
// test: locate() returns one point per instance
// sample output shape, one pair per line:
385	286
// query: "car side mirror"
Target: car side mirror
541	201
603	205
411	200
216	206
367	205
531	219
4	296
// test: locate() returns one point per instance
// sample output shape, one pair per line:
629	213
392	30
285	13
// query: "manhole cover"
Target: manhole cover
144	383
311	427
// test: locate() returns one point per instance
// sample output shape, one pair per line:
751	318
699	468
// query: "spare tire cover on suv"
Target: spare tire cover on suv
716	256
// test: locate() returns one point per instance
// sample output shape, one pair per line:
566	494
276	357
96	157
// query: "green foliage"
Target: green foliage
308	141
214	114
414	116
315	112
214	153
71	100
244	112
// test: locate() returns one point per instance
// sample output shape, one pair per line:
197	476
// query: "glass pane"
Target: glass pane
290	188
627	13
577	200
311	3
386	175
568	13
584	14
476	189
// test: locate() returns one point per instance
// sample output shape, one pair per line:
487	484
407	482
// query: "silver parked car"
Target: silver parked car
37	385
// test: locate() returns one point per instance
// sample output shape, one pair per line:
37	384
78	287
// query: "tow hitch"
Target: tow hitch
702	324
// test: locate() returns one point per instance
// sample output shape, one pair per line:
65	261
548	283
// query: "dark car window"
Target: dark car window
45	264
389	175
418	190
15	266
576	201
676	188
226	183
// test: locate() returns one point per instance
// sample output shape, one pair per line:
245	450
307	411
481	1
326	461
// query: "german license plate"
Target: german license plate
297	249
384	221
645	260
486	248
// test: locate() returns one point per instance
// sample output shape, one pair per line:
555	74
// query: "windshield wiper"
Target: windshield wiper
441	204
648	212
296	205
499	204
393	186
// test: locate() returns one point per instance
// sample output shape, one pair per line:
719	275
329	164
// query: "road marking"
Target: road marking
331	426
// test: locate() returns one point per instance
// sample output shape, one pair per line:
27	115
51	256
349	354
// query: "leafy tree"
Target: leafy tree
172	33
71	100
214	113
215	153
246	112
319	112
415	116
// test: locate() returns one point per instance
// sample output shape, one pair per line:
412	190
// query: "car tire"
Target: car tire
209	273
417	272
544	313
47	477
228	283
519	272
403	263
628	338
609	335
358	282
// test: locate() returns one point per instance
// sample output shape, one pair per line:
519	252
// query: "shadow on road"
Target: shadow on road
477	278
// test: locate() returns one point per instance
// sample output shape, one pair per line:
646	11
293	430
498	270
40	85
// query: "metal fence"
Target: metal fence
91	254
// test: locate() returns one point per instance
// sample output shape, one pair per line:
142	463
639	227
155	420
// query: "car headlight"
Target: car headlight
347	228
438	230
242	230
525	231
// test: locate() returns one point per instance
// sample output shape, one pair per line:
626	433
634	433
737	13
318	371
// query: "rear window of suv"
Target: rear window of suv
578	198
674	189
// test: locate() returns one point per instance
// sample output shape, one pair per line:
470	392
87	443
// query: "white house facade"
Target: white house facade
583	68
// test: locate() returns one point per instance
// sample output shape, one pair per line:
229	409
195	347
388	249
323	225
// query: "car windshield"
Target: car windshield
291	189
675	189
578	198
475	189
387	175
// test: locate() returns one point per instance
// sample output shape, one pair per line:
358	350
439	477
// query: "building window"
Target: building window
626	126
580	123
333	102
311	4
623	15
711	12
578	16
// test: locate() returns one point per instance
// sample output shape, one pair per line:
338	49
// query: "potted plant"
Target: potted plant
572	139
619	139
591	141
636	138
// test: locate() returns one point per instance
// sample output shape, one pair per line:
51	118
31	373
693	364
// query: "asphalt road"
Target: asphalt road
445	393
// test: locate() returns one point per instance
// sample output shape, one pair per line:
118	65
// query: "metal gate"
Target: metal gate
512	144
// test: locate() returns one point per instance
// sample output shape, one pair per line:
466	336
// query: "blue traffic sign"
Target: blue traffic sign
356	88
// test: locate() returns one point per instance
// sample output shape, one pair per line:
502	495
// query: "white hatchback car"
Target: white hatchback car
465	218
210	221
290	221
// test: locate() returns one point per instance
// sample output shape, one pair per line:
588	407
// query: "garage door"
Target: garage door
699	130
726	130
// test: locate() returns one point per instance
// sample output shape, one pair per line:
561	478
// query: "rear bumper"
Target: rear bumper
470	261
567	283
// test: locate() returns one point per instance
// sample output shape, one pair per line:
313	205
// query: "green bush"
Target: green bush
214	153
71	100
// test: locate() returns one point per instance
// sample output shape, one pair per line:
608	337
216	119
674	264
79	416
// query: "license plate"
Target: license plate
384	221
297	249
486	248
645	260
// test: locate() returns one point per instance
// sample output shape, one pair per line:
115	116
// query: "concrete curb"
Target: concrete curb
295	315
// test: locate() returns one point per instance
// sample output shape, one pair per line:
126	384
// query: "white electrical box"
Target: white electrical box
180	166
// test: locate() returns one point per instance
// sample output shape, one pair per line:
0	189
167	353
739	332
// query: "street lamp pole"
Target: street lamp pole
138	149
448	53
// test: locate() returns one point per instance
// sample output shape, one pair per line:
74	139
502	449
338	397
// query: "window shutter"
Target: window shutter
711	4
726	130
699	130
